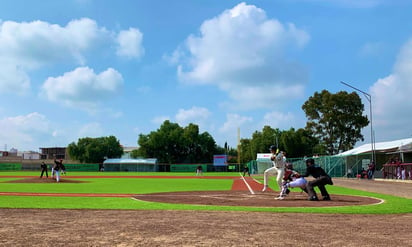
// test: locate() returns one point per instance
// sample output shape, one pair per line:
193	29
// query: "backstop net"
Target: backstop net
335	166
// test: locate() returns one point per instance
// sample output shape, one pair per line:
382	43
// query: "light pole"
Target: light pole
369	98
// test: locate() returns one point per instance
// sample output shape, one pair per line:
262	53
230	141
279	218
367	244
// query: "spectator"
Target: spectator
398	172
363	173
349	174
403	173
410	173
371	170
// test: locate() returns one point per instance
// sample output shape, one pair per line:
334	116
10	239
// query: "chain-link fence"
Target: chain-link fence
333	165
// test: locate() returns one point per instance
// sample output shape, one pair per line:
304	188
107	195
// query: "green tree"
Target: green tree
298	143
260	143
95	150
174	144
246	153
335	119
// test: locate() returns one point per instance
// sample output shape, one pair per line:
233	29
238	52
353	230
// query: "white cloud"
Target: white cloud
233	122
160	119
280	120
243	52
25	131
371	49
13	79
351	3
83	88
196	115
391	99
229	129
33	44
30	46
90	130
130	43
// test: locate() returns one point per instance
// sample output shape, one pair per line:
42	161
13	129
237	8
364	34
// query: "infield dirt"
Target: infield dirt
43	227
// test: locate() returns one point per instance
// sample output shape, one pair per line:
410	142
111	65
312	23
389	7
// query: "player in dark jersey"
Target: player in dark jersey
321	179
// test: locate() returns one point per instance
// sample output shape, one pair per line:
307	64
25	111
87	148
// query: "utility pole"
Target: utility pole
238	146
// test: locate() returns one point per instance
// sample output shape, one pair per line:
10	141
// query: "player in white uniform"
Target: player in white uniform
292	179
278	161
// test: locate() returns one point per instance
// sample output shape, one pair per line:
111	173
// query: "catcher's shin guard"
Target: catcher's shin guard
285	189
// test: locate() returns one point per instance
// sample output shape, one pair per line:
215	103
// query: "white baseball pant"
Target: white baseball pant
299	182
271	171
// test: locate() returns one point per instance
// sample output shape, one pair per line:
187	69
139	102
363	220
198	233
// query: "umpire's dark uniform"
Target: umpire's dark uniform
321	179
246	170
43	169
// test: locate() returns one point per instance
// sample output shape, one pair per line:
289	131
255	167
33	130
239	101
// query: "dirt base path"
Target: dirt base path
45	227
37	227
248	192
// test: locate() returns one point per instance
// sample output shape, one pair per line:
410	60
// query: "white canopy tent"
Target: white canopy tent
398	146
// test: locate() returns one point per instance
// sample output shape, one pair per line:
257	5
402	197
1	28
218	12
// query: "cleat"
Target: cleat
264	188
279	198
313	198
326	198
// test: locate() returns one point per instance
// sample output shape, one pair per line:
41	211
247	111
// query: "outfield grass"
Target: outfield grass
392	204
189	174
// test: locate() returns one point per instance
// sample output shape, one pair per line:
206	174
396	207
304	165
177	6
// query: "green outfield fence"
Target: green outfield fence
335	166
10	167
36	166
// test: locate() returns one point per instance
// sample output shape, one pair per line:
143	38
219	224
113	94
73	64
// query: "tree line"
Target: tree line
334	125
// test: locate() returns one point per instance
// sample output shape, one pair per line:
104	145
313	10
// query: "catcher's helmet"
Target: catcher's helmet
310	161
289	166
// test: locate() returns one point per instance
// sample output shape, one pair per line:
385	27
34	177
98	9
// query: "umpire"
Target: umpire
321	179
43	167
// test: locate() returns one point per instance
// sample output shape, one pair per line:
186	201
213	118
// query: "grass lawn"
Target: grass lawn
142	185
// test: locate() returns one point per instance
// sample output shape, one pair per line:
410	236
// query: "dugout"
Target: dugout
131	165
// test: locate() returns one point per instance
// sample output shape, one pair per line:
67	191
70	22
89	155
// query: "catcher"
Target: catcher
291	179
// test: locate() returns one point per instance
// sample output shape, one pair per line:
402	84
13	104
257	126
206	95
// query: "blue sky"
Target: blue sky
76	68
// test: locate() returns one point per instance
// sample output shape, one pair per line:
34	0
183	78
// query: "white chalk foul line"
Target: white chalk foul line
247	185
257	181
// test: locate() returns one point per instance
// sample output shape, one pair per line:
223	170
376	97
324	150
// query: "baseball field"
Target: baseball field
181	209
